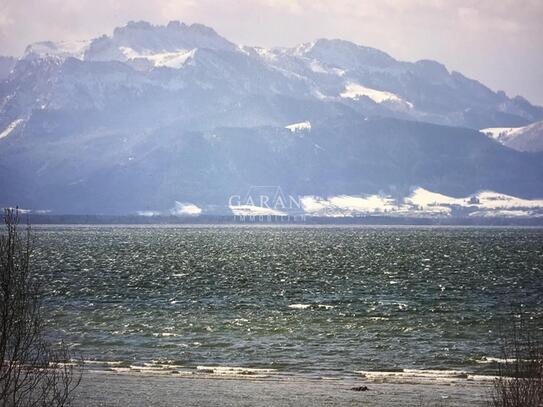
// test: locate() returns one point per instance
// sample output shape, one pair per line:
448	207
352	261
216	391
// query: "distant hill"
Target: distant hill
526	138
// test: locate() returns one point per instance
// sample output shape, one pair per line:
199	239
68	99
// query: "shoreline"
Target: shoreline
400	375
145	388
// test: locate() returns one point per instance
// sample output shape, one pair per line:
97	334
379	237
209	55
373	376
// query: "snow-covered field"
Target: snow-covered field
422	202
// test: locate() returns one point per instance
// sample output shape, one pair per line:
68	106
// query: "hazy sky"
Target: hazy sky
498	42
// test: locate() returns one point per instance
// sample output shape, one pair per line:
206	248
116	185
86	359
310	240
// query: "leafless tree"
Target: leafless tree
519	381
33	371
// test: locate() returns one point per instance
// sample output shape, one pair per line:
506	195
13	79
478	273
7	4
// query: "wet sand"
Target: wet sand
109	388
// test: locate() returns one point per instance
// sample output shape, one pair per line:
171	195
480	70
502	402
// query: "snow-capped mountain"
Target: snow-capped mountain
143	59
135	40
154	115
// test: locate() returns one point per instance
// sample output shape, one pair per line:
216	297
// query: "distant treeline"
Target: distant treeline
306	220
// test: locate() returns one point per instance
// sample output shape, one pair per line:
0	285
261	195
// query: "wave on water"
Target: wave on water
401	376
317	302
170	367
235	371
310	306
491	359
420	376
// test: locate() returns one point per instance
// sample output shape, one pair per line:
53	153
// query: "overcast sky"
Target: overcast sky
498	42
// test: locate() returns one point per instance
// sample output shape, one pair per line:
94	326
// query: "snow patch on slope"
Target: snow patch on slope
485	203
253	210
265	53
10	128
298	127
528	138
346	205
493	200
174	59
427	199
317	67
502	134
355	91
62	49
185	209
148	213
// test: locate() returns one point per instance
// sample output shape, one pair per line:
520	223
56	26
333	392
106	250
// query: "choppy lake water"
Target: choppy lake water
325	301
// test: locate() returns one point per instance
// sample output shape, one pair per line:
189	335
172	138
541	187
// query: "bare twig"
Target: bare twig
519	381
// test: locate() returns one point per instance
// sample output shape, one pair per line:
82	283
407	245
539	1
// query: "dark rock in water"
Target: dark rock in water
360	388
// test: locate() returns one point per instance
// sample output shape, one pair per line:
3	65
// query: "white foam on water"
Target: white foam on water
235	371
104	362
306	306
152	369
164	334
421	376
299	306
491	359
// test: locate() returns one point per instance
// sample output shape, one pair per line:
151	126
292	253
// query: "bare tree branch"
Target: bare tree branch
32	371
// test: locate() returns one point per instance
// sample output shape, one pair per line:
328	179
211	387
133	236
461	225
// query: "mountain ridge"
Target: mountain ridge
154	115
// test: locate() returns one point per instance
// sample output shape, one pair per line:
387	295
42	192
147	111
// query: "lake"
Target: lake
312	301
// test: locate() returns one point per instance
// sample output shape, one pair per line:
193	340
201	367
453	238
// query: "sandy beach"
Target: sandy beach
111	388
